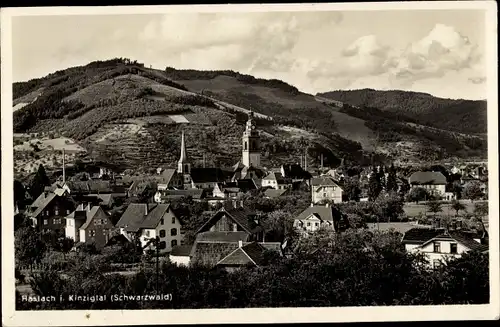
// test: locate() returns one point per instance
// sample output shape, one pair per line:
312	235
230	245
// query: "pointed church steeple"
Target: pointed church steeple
183	166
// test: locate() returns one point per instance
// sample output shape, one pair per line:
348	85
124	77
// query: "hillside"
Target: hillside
121	112
466	116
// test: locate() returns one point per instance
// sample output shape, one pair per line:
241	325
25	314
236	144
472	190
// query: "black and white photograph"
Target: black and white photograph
183	159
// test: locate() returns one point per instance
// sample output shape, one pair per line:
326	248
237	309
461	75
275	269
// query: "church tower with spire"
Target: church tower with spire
183	165
251	144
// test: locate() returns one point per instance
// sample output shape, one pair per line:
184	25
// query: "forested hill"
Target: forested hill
467	116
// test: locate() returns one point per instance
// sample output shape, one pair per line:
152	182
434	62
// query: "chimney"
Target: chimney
241	203
145	209
327	205
240	243
322	161
89	206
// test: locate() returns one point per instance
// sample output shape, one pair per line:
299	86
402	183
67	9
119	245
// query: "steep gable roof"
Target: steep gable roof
90	215
459	237
155	215
295	171
240	216
133	215
41	203
427	178
251	253
166	176
323	181
323	212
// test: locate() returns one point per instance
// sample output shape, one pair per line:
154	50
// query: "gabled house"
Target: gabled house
438	244
89	225
206	178
295	172
234	220
169	179
434	182
232	190
316	217
250	254
143	222
210	248
325	189
47	212
276	181
248	172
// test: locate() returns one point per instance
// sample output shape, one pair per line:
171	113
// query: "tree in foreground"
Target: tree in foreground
434	207
29	248
457	206
417	194
374	186
472	191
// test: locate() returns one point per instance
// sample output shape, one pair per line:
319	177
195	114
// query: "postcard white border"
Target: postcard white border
11	317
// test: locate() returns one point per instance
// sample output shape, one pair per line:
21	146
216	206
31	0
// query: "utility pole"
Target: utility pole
64	168
157	244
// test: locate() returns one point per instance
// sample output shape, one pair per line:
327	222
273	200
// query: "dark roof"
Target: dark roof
41	203
167	175
323	181
134	215
278	177
427	177
106	198
246	185
90	215
154	216
91	186
241	216
181	250
207	175
117	239
251	253
295	171
421	235
272	193
174	194
217	237
469	242
323	212
209	253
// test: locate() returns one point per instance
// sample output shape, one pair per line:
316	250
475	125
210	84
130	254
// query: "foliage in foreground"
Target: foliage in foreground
358	268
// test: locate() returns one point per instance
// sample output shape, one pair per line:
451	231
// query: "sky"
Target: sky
440	52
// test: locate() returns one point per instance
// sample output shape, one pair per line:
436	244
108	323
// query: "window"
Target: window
147	233
324	195
173	220
235	227
173	231
57	221
97	222
246	146
162	233
162	221
437	247
453	248
162	245
70	222
45	221
57	212
173	243
308	224
67	211
316	224
92	232
47	213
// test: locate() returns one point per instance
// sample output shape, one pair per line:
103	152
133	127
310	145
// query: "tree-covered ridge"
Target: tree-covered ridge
191	74
467	116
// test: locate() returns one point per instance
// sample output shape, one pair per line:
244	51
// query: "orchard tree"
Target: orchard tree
374	186
417	194
352	189
39	182
29	248
388	207
457	206
434	207
392	183
472	191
